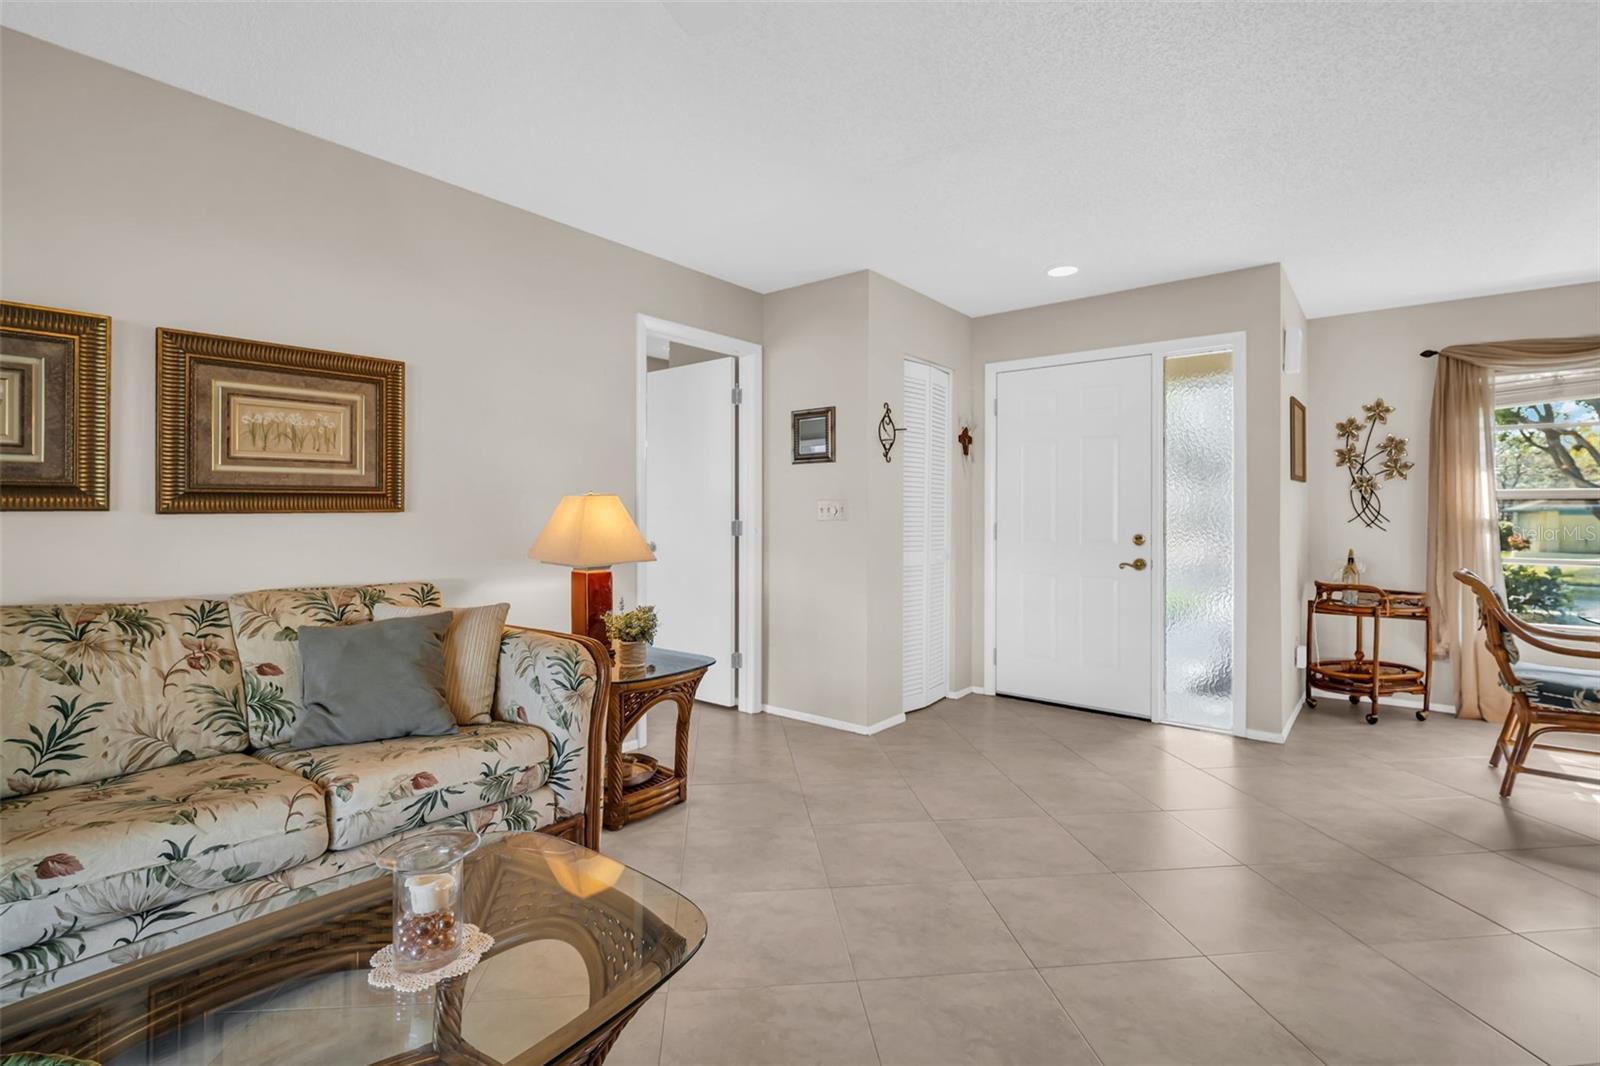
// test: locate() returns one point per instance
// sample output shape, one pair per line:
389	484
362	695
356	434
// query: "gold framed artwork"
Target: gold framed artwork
55	409
252	427
1297	440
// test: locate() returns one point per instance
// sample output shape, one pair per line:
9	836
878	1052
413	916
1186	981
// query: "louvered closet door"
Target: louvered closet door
925	551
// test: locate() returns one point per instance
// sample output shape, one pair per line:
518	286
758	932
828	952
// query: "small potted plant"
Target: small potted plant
632	633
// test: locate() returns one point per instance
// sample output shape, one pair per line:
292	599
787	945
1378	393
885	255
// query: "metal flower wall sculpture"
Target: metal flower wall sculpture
1385	459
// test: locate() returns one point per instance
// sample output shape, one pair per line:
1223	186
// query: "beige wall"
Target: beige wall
815	345
833	588
684	354
1355	358
1248	300
122	196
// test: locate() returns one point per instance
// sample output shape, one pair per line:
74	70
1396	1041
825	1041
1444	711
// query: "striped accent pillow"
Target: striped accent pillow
471	655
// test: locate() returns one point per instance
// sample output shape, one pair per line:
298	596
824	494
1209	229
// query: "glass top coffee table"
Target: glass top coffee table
581	941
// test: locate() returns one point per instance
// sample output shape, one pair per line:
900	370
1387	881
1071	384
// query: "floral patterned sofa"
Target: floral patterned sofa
146	788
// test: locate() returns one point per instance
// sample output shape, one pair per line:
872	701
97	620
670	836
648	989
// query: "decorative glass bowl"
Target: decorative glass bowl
429	928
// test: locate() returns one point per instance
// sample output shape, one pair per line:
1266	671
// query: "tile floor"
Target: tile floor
1003	882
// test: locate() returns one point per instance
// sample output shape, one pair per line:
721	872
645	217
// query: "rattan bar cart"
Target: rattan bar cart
1372	677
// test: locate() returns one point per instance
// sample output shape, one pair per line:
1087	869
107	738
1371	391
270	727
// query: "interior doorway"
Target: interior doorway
698	407
1115	500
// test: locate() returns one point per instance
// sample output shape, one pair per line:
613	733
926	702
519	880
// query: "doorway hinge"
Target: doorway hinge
738	395
738	527
736	660
996	531
994	657
997	405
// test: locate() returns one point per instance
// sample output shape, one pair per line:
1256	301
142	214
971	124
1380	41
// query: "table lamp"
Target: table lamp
590	533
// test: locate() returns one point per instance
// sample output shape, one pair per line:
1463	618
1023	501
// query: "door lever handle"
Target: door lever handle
1137	564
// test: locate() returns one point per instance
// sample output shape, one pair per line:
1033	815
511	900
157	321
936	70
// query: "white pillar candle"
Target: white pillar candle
428	893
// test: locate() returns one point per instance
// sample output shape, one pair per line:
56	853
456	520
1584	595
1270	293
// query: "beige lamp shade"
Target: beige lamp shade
589	532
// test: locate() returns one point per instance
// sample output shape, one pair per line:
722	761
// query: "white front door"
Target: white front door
1072	491
690	505
925	536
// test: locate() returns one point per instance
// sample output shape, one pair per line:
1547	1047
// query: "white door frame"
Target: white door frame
751	545
1158	351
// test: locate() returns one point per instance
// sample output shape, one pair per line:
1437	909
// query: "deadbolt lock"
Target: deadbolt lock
1137	564
1138	539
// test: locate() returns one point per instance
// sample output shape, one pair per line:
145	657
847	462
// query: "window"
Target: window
1547	481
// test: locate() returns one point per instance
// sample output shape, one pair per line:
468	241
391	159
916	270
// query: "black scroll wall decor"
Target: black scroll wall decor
888	432
1385	460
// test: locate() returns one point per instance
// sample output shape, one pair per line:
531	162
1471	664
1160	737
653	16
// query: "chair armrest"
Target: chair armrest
1546	637
560	682
1552	633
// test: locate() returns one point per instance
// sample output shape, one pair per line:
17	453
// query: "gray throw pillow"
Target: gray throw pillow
373	681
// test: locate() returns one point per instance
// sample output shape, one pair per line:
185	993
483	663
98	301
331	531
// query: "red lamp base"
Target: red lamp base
591	599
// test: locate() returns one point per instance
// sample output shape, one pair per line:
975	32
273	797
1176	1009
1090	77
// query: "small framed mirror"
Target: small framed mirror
812	435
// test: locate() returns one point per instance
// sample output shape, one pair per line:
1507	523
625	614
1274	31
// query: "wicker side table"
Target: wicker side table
1360	676
637	785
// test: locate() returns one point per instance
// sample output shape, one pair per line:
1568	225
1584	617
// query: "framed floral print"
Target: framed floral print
55	409
252	427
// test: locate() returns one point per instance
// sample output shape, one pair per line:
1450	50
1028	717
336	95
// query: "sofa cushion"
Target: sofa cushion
92	853
99	948
471	655
388	785
374	681
90	691
1569	690
267	627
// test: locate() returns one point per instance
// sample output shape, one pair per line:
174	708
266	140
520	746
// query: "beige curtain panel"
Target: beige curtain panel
1463	519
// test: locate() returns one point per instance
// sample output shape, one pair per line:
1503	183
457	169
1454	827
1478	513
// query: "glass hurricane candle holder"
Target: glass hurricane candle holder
429	927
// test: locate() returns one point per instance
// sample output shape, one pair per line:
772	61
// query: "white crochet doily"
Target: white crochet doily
384	975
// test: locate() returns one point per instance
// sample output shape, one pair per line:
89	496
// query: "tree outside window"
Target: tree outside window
1547	477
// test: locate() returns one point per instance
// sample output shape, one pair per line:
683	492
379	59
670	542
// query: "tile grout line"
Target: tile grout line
1442	994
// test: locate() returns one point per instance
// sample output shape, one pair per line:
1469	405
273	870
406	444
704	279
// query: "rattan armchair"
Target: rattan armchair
1542	700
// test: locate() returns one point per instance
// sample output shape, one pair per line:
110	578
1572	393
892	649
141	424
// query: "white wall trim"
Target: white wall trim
1158	350
753	548
1401	700
1281	735
836	723
956	694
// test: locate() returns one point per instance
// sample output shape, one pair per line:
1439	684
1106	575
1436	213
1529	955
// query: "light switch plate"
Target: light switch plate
830	510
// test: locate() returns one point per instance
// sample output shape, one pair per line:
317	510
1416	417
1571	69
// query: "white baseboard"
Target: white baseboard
956	694
1402	700
1415	703
836	723
1281	735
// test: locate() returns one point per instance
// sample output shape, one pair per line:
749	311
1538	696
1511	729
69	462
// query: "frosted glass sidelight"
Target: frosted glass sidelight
1198	393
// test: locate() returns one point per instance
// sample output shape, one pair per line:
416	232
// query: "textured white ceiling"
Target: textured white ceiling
1387	154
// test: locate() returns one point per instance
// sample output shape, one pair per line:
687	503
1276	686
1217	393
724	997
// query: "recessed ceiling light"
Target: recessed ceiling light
1061	271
